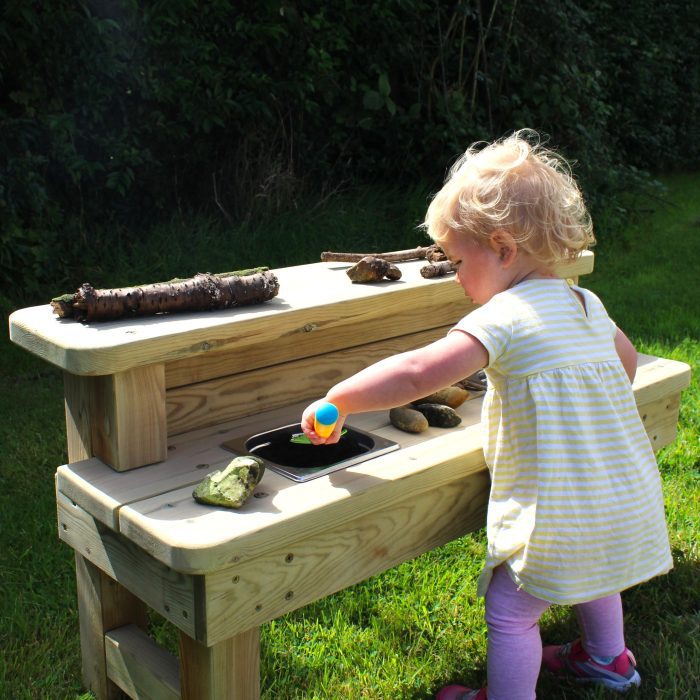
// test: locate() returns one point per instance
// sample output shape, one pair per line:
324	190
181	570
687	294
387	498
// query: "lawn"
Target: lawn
410	630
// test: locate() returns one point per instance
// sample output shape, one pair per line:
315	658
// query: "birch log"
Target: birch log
202	292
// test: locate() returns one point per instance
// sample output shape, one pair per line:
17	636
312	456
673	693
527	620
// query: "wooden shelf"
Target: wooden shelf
314	300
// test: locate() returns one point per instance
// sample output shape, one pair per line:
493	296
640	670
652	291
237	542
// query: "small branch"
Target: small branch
438	269
505	47
218	203
431	252
461	50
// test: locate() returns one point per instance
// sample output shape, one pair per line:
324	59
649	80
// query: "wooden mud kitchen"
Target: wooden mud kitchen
150	403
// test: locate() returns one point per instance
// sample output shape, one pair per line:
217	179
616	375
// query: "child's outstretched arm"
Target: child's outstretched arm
400	379
627	354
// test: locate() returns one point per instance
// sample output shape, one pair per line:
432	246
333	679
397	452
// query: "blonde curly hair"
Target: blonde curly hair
517	185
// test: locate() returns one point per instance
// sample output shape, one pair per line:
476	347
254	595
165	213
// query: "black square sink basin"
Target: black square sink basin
302	462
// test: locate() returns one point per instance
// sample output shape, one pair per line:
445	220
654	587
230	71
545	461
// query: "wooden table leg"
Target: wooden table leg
103	604
119	418
230	670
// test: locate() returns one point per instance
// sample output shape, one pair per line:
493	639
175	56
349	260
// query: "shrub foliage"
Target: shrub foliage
120	111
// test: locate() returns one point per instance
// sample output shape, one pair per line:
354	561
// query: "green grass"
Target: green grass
404	633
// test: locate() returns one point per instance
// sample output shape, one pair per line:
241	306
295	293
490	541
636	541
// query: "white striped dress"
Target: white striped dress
576	510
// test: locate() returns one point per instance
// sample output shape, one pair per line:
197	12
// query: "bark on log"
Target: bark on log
431	252
202	292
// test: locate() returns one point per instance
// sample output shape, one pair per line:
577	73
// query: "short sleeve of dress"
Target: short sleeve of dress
491	325
598	313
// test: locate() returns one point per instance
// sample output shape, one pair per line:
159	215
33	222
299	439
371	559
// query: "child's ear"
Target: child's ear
504	245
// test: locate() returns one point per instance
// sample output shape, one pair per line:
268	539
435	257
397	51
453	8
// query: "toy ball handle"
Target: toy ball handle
325	418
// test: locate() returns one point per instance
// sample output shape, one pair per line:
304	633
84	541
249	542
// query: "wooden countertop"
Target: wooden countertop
153	507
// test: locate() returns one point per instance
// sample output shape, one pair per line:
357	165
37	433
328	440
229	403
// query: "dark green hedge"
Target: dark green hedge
130	112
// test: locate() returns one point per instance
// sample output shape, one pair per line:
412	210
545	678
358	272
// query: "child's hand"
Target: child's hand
307	425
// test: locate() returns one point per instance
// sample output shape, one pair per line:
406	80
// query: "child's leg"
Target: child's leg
514	644
600	655
601	626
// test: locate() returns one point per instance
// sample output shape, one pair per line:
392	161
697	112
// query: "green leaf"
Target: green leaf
372	100
384	86
301	439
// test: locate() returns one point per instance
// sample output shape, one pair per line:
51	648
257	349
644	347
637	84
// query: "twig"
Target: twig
506	46
438	269
431	252
218	203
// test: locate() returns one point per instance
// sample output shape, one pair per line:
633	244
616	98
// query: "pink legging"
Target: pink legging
514	644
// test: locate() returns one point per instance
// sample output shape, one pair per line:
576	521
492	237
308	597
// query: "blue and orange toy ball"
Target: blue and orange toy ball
325	419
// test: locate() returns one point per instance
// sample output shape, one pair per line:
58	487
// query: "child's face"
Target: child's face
480	272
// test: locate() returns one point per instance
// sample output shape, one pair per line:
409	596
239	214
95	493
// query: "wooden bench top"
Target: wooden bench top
318	295
153	507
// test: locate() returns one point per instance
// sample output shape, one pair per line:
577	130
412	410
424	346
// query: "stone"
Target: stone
232	486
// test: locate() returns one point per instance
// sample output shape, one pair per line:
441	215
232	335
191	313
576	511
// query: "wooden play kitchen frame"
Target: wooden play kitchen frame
149	402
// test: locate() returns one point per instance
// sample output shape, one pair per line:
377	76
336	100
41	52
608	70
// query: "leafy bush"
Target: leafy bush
132	113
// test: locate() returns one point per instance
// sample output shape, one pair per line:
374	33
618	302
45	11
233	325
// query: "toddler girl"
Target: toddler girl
575	511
